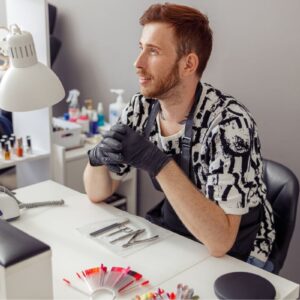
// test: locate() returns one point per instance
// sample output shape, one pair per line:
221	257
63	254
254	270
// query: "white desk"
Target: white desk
165	263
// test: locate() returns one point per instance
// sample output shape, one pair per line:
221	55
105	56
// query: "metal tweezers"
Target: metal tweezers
132	240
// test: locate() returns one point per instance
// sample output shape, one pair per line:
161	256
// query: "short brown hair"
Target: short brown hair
191	29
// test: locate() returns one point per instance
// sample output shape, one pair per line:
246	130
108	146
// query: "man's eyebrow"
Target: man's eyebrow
149	45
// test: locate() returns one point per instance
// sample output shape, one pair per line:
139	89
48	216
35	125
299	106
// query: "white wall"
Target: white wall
255	58
2	13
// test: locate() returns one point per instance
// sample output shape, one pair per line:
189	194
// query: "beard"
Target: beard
164	86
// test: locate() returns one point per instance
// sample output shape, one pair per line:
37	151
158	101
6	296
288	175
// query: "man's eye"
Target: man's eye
153	51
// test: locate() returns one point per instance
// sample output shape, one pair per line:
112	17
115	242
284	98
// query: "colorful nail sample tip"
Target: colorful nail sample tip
183	292
116	280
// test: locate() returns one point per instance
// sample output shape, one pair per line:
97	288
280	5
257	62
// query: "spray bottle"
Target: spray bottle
115	109
73	105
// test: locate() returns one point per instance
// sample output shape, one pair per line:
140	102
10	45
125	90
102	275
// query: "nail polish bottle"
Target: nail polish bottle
5	137
7	152
12	144
29	148
19	150
13	136
2	141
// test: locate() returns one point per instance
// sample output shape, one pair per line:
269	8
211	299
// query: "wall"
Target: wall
255	58
2	13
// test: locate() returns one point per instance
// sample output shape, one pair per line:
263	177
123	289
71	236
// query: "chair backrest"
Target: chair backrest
282	192
5	124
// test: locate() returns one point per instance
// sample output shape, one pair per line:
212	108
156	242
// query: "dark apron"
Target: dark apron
163	213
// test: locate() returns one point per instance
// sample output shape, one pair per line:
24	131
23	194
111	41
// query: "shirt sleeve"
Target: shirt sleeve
230	172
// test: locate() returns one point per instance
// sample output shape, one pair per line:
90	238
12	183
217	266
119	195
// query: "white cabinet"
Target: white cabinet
68	170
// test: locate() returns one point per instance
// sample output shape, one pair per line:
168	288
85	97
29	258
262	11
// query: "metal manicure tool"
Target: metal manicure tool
122	229
132	240
136	232
109	227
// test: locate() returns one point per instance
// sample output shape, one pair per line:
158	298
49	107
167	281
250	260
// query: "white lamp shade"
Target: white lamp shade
27	84
30	88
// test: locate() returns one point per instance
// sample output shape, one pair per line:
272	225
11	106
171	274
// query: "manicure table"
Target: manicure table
164	262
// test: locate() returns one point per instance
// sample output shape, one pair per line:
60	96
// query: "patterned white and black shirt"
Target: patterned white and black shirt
226	158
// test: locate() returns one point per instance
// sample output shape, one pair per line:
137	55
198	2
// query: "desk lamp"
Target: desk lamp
27	84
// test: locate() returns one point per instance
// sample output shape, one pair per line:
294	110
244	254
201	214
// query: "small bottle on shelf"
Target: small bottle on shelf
19	150
88	103
100	114
116	108
7	151
29	147
94	123
2	141
13	136
12	144
84	120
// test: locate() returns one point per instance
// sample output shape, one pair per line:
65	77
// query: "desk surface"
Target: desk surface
187	262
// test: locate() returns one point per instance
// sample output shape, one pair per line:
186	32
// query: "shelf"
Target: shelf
27	157
80	152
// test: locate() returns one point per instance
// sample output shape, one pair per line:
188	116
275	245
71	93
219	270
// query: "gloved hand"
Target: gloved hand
122	144
98	157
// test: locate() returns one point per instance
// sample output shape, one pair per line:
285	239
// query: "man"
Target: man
200	147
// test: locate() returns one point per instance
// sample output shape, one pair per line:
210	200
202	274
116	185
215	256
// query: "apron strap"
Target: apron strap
151	118
187	139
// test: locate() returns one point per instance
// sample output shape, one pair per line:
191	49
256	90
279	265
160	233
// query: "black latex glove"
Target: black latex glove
98	157
122	144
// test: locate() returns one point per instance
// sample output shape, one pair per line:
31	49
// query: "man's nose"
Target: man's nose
140	61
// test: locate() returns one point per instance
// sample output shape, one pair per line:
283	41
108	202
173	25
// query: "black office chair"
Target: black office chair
282	192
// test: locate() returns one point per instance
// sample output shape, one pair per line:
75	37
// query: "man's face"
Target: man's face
157	65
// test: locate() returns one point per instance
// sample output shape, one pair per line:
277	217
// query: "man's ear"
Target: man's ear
190	64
